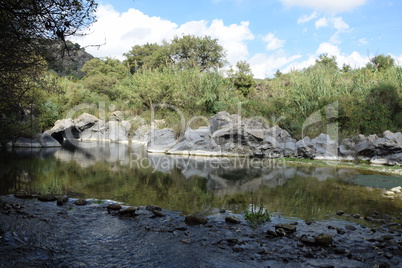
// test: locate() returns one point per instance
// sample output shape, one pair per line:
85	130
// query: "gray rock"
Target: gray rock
287	227
47	197
27	143
141	134
325	148
232	219
161	140
117	131
85	121
81	202
61	200
130	211
195	220
324	239
114	207
153	207
47	140
158	213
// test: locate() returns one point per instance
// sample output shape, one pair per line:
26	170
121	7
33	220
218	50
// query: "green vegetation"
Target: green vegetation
257	216
185	73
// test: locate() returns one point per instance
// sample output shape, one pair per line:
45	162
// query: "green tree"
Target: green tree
102	76
382	62
346	68
327	61
150	55
193	51
23	26
242	78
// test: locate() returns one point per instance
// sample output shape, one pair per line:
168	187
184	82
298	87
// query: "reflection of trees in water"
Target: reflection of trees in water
193	185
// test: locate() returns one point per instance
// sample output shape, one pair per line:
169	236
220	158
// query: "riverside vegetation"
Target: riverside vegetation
185	73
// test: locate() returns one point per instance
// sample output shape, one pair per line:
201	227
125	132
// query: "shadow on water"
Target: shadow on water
194	184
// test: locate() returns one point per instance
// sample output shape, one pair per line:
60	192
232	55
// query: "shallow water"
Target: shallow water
195	184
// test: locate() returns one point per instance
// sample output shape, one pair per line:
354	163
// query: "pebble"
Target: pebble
81	202
350	227
232	219
287	227
324	239
158	213
22	194
128	211
195	220
153	207
340	213
113	207
47	198
61	200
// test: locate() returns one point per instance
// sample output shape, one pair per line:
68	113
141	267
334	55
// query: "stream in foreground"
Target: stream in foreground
307	197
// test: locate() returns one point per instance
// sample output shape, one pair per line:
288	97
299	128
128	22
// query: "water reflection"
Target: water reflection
191	184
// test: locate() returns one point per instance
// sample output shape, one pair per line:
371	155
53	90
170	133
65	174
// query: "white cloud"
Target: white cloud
323	22
124	30
362	41
264	65
339	24
273	42
307	18
329	6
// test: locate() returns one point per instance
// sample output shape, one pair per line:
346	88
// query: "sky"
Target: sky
269	34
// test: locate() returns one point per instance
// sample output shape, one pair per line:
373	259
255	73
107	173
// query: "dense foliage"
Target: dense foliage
24	26
185	75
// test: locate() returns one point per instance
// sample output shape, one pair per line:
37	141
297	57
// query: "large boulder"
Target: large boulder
85	121
117	131
142	134
27	143
325	148
64	130
196	142
47	140
161	140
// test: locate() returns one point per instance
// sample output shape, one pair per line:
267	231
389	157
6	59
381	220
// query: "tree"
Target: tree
382	62
24	26
103	75
148	56
193	51
242	78
328	62
346	68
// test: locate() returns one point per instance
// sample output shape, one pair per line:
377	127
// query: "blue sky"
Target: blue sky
270	34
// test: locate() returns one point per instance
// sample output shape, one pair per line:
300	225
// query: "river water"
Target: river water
128	174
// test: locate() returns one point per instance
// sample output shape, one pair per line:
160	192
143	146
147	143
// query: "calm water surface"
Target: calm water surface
195	184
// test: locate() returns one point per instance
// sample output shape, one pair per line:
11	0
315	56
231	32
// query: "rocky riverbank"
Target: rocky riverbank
226	135
73	233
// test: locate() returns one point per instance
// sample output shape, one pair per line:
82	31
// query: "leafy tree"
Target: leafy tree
193	51
327	61
24	24
150	55
382	62
346	68
242	78
102	76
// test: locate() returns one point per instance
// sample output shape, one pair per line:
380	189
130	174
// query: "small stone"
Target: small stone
114	207
388	255
331	227
324	239
340	231
232	219
81	202
47	198
350	227
222	211
61	200
340	251
280	232
158	213
238	249
389	193
130	211
307	240
356	216
187	240
195	220
152	208
308	222
271	233
287	227
340	213
309	254
22	194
